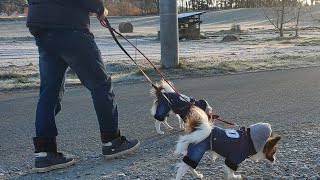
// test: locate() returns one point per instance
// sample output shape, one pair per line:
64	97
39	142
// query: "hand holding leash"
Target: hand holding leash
103	16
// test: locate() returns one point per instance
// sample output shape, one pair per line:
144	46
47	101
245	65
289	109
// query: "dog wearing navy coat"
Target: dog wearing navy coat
235	145
179	105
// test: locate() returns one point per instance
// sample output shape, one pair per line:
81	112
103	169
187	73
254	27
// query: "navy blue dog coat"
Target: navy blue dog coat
180	104
234	145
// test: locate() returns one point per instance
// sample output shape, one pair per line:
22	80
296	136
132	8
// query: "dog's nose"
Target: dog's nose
270	158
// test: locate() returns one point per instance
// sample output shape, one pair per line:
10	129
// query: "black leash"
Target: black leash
106	24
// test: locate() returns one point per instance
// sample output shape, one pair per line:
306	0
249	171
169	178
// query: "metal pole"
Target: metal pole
169	33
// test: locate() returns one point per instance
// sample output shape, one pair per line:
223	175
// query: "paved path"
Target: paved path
285	98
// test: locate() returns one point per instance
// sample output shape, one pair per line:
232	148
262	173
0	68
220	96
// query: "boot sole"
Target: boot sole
54	167
122	153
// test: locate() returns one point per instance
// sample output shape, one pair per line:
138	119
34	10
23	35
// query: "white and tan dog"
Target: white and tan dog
254	142
179	104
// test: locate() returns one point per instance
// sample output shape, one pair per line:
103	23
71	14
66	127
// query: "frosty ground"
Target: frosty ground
259	48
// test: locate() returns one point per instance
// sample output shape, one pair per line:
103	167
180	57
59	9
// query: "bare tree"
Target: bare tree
279	13
11	6
147	6
298	15
182	4
314	15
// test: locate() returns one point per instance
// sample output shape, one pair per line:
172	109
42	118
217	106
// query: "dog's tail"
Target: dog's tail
167	86
154	92
199	128
163	87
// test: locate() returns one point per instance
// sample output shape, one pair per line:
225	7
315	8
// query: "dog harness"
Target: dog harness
234	145
178	104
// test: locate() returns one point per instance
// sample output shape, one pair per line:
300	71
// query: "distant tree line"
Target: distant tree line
187	5
8	7
133	7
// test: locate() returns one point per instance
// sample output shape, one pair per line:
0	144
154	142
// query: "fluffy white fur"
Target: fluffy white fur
165	123
183	168
202	132
166	87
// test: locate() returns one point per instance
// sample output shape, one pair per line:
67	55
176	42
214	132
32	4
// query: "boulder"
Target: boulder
125	27
229	38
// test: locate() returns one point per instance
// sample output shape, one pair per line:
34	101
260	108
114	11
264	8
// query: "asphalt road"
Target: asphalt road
280	97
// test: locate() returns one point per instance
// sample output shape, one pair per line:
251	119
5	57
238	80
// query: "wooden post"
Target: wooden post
169	33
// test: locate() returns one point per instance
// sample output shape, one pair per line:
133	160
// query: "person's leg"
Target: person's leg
52	73
84	58
81	53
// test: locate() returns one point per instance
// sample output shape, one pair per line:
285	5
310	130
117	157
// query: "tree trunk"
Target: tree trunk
298	18
282	18
182	6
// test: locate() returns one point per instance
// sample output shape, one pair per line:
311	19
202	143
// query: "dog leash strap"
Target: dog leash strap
227	122
216	117
106	24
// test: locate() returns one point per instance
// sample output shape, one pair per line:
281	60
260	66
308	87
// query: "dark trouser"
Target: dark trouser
77	49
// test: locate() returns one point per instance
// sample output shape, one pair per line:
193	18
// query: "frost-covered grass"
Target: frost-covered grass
259	48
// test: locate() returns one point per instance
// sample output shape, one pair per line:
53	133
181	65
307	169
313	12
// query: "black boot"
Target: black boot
47	157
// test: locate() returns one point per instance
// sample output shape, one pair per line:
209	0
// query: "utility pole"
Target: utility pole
169	33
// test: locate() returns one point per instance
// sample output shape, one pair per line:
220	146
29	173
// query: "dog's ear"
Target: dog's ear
270	147
203	104
274	140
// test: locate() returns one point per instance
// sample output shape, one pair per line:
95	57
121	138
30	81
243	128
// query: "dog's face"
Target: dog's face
270	148
202	104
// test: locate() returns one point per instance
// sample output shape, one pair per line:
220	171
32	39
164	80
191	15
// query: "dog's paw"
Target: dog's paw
184	153
200	176
197	175
160	132
182	128
169	127
235	177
